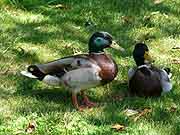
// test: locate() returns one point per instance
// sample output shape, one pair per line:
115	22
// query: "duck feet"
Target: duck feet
88	103
81	108
75	103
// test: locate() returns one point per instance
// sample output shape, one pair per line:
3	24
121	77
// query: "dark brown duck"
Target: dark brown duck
146	79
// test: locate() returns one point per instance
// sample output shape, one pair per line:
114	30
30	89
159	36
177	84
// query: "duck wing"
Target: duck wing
81	78
164	78
145	82
59	67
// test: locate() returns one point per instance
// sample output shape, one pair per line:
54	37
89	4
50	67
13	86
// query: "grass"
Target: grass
34	31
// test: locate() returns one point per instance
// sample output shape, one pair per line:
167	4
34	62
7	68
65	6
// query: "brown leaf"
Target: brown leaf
127	19
118	127
173	108
144	112
175	61
31	127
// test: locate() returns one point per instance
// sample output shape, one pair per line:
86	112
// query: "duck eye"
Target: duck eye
31	69
98	40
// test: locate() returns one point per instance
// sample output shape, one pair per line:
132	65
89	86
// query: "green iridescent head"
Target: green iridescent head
101	40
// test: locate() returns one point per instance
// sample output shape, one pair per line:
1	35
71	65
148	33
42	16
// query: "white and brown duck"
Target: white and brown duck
80	72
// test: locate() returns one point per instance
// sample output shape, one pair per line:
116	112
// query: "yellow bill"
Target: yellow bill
116	46
148	57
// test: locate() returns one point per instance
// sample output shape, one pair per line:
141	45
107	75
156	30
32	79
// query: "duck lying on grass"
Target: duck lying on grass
146	79
80	72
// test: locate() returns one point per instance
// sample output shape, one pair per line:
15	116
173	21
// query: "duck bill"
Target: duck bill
147	57
116	46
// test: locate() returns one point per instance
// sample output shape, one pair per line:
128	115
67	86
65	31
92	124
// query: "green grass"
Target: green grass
33	31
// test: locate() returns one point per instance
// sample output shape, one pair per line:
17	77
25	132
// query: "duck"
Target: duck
80	72
145	79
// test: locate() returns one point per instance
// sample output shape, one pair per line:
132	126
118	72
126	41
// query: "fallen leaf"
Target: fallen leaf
173	108
127	19
31	127
60	6
175	61
130	112
118	127
157	2
144	112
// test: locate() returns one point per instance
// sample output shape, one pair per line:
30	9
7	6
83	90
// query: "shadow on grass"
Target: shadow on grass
4	94
58	100
79	13
33	99
30	87
113	108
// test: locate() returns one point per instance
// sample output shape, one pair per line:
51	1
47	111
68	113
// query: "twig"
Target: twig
176	47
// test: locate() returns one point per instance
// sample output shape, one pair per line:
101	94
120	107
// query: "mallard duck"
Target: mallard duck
80	72
146	79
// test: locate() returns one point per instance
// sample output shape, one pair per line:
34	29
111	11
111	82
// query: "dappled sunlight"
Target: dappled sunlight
152	128
41	31
145	34
21	16
162	50
42	53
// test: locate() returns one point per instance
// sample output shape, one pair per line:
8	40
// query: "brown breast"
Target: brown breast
108	67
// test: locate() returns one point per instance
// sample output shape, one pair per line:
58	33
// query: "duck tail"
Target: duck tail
168	71
165	80
34	72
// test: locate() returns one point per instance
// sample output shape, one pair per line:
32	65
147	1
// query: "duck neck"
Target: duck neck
97	53
140	62
95	50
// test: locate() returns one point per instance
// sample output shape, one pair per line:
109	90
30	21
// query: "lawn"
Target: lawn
37	31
